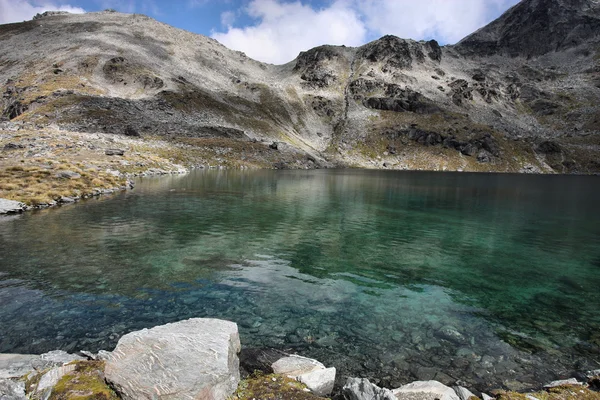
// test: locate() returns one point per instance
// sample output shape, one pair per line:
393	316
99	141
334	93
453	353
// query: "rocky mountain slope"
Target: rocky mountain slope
520	95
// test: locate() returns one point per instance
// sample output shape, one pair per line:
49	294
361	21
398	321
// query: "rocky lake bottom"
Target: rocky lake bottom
486	279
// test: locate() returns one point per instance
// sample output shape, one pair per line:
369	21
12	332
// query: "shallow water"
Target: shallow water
488	279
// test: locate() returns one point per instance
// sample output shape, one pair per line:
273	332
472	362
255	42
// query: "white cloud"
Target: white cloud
227	18
448	21
285	29
21	10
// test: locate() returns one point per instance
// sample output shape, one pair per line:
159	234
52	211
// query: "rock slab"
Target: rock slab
191	359
425	390
12	390
362	389
11	206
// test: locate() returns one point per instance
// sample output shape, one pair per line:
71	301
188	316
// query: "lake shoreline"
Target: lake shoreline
122	373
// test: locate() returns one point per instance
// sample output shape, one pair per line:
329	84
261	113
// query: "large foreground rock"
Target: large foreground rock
362	389
425	390
192	359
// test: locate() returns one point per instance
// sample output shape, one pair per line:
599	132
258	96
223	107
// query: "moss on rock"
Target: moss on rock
565	392
85	383
272	387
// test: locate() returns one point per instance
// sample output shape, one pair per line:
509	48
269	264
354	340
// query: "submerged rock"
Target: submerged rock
195	358
362	389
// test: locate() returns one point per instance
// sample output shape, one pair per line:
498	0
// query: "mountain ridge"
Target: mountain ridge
392	103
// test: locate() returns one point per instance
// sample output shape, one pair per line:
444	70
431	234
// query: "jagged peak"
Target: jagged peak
536	27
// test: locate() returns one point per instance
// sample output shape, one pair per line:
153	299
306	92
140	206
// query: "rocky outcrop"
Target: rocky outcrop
196	358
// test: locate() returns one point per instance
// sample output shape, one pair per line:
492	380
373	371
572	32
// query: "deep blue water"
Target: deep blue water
396	276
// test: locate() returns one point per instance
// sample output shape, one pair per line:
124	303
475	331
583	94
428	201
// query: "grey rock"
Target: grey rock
463	393
16	365
319	381
68	175
451	334
311	372
195	358
362	389
425	390
12	390
58	357
486	397
50	379
11	207
114	152
562	382
592	373
295	365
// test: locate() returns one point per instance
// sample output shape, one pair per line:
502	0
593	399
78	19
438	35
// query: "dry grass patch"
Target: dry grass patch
46	182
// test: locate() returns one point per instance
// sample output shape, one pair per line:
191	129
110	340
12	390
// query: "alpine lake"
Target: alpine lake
491	280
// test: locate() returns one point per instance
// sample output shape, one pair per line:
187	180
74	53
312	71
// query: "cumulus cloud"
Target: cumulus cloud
284	29
21	10
448	21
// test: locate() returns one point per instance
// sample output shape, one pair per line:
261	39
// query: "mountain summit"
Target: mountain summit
536	27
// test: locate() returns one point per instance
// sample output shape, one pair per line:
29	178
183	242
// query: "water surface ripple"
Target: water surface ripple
396	276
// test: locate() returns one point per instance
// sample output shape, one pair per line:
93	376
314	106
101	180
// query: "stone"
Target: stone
486	397
450	334
311	372
196	359
16	365
463	393
12	390
50	379
114	152
58	357
320	381
11	206
362	389
425	390
295	365
592	374
68	175
562	382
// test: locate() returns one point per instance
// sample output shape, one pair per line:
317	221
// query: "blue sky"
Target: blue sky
277	30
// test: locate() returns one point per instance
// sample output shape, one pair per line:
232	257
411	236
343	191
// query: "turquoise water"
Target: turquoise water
489	279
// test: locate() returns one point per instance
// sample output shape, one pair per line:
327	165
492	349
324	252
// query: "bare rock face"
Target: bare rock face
536	27
195	359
